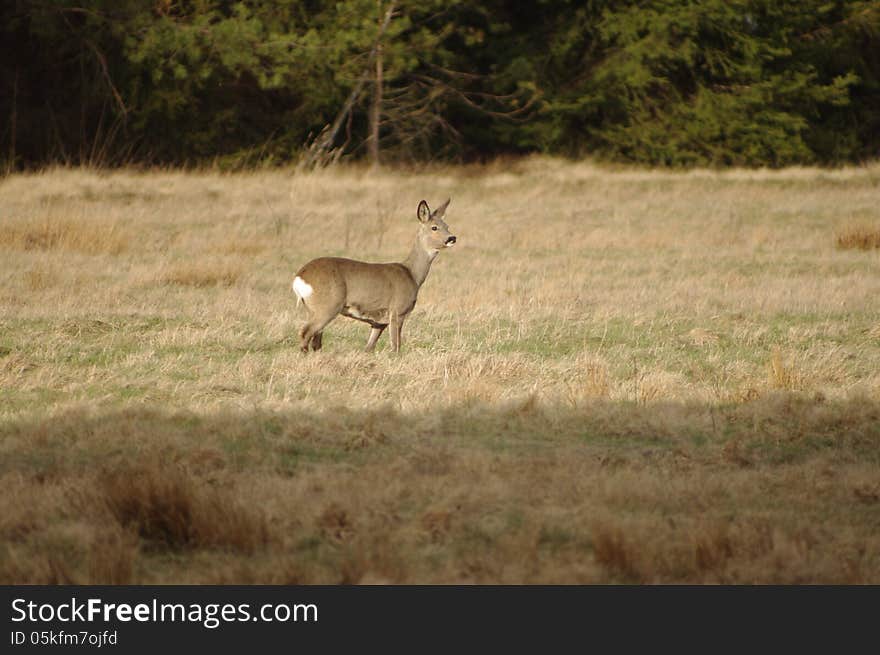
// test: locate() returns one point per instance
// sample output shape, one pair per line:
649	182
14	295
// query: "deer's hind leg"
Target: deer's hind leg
311	333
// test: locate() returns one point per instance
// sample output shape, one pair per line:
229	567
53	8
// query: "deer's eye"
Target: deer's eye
434	227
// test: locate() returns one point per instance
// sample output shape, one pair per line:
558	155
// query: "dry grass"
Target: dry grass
53	231
168	512
859	235
202	274
616	376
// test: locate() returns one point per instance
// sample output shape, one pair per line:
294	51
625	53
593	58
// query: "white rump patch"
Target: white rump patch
301	288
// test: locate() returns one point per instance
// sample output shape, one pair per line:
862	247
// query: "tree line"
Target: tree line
256	82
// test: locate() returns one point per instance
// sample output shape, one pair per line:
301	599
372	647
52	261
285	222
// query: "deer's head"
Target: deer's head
434	234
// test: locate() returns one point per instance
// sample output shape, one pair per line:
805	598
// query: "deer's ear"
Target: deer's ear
440	212
423	212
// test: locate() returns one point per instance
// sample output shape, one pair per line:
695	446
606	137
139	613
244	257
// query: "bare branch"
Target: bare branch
466	97
328	134
103	61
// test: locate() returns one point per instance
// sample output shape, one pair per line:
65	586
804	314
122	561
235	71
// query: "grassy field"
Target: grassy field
615	376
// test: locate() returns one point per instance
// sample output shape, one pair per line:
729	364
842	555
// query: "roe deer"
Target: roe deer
379	294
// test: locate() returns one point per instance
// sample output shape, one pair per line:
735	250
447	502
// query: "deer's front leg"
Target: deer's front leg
396	327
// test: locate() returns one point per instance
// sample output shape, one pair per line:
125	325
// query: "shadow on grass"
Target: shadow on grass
772	490
775	428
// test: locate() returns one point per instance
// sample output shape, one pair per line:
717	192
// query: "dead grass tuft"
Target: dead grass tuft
702	337
241	246
591	378
40	278
859	237
437	524
335	523
868	493
712	548
86	236
613	551
113	556
203	274
781	374
170	510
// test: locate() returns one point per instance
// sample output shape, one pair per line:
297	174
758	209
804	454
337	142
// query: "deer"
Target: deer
380	294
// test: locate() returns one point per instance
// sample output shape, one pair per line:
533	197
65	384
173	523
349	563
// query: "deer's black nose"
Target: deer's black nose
450	241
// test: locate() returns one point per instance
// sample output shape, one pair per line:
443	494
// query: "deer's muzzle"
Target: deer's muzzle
450	241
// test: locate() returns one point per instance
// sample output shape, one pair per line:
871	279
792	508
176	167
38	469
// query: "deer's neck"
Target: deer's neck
419	262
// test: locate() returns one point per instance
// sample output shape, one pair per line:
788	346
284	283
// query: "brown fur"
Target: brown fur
377	294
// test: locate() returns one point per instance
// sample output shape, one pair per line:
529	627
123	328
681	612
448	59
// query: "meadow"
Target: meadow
616	376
